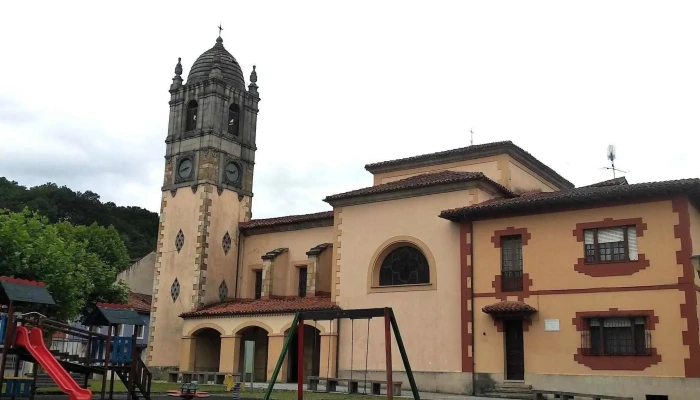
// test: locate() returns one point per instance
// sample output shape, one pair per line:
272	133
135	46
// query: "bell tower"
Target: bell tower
207	190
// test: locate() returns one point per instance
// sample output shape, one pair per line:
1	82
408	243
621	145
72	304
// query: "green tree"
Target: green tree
137	227
79	265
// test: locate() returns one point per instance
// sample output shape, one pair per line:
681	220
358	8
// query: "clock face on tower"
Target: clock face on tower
184	169
232	172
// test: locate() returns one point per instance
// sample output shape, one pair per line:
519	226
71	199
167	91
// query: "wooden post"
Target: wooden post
132	371
387	344
105	362
6	342
300	360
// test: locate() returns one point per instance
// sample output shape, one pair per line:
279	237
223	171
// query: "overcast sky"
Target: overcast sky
84	96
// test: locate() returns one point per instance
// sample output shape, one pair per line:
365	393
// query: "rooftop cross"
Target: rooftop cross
220	29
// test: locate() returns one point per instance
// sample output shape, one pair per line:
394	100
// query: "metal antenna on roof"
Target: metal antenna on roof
612	156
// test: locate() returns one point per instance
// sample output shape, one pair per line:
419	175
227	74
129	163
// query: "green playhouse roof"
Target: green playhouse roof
112	314
23	291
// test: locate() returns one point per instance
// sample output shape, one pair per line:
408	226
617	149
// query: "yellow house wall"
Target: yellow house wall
428	316
549	258
550	255
522	179
179	212
553	352
695	233
298	242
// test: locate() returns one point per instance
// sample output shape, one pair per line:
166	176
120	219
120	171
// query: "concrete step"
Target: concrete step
507	395
512	390
514	384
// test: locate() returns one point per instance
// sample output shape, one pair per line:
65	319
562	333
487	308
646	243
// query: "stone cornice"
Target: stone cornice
199	133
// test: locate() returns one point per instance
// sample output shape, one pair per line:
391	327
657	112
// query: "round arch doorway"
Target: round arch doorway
312	354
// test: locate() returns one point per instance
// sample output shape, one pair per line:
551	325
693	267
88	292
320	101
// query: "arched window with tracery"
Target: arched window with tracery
233	119
191	118
405	265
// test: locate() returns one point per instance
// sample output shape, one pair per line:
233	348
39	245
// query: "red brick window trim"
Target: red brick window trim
610	247
511	281
616	340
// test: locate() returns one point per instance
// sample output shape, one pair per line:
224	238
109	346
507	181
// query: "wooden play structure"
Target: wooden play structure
25	336
393	388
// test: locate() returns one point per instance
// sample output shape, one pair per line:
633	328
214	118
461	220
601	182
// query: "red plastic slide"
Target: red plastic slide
34	342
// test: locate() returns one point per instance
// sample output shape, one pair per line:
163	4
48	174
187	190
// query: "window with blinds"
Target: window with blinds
617	336
611	244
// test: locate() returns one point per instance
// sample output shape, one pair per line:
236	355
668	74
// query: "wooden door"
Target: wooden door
515	354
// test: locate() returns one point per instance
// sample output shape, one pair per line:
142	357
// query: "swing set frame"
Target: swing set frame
330	315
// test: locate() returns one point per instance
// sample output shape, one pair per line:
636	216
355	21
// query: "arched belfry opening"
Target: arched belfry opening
207	350
234	120
191	117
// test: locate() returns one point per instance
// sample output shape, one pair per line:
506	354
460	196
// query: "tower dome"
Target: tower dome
228	65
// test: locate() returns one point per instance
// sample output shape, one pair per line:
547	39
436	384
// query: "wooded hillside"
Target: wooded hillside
137	226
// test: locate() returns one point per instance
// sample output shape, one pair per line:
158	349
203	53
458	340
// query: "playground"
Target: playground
106	361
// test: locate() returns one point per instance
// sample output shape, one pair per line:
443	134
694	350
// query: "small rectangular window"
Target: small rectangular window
302	282
139	331
258	283
610	244
511	263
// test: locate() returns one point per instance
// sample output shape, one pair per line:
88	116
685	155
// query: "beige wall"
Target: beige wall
490	166
139	276
502	169
180	212
522	179
204	217
549	257
286	265
428	316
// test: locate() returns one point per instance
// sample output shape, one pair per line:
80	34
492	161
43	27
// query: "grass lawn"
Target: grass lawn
162	387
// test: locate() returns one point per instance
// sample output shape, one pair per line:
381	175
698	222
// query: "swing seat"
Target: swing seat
187	394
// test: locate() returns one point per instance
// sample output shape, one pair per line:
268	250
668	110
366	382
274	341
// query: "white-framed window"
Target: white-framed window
611	244
120	330
139	331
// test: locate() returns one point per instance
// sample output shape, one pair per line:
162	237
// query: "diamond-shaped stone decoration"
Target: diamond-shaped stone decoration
226	243
223	291
179	240
175	290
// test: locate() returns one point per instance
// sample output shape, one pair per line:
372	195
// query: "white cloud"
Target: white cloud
84	100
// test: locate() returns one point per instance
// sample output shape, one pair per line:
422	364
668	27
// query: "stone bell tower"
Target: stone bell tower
207	191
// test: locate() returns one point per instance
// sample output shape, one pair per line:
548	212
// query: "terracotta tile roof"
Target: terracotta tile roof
419	181
263	306
470	152
508	307
272	254
286	220
610	182
140	302
574	198
318	249
21	281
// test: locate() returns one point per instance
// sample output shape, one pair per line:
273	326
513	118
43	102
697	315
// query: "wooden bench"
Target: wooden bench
558	394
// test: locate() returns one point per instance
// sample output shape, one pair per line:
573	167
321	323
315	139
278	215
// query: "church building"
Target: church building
498	269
